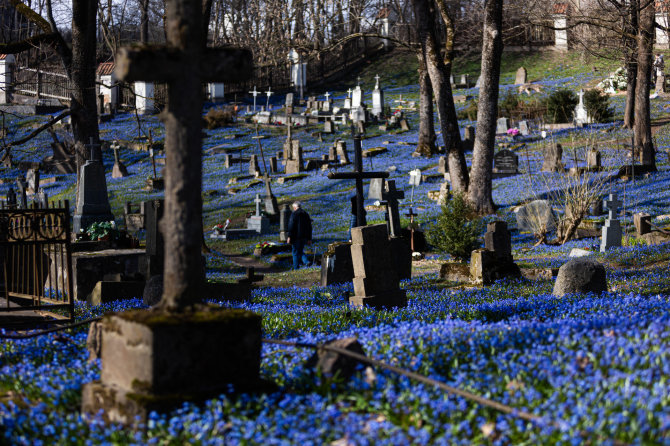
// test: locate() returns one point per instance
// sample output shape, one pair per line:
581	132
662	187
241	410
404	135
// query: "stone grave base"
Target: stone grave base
108	291
486	268
153	360
387	300
455	272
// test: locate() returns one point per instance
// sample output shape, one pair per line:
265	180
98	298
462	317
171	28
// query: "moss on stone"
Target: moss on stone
199	314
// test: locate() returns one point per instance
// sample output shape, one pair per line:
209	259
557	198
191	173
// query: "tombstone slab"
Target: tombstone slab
521	76
336	264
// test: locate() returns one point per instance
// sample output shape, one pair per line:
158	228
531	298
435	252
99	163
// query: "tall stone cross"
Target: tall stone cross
377	82
258	202
612	205
254	93
267	103
184	64
327	95
391	195
349	91
359	175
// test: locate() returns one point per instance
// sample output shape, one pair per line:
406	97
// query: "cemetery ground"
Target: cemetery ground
593	367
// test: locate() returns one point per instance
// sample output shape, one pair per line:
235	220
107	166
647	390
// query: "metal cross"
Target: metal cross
255	93
391	196
359	175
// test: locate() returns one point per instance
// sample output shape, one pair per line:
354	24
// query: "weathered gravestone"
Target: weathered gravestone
505	163
33	180
376	281
336	264
523	128
270	201
521	76
642	222
258	222
442	165
468	138
611	231
284	217
593	159
152	360
254	168
553	158
495	261
377	100
342	154
357	97
92	200
536	217
502	125
295	163
119	170
328	126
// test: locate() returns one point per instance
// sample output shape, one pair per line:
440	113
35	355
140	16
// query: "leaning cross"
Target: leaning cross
184	64
391	196
255	93
411	216
359	176
612	205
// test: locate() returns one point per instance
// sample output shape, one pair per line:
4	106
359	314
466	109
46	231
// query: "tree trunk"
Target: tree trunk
182	221
480	192
426	145
424	12
82	72
642	127
631	29
144	21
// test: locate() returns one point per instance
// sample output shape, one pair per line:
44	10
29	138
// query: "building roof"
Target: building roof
561	8
105	68
662	6
3	56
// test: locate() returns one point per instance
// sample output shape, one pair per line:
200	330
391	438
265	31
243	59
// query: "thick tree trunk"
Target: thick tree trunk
631	29
480	191
642	128
182	221
82	72
424	12
144	21
426	145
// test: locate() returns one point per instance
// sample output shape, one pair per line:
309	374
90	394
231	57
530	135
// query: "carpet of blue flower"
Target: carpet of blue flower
595	368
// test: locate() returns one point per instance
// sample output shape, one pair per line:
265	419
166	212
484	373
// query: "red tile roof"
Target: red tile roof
105	68
561	8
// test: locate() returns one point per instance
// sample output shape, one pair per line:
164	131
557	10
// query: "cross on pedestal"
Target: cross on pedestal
377	82
327	95
184	64
391	195
349	91
258	202
359	175
254	93
267	103
612	204
411	216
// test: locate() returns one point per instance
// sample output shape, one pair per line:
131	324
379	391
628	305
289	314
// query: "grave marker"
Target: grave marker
502	125
92	200
505	162
521	76
611	231
254	93
553	158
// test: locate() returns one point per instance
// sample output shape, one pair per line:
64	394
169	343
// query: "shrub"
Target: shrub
217	117
509	104
470	111
561	105
596	103
457	229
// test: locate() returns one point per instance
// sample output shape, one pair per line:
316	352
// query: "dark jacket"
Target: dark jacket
300	226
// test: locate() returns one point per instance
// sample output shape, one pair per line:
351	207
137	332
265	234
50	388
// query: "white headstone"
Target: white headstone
415	177
6	66
581	117
215	91
357	97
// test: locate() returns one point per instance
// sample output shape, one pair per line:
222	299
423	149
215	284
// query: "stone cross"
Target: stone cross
254	93
391	196
349	91
612	205
358	79
267	103
258	202
377	82
184	64
359	175
327	95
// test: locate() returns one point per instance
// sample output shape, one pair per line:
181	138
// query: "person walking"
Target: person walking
299	233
